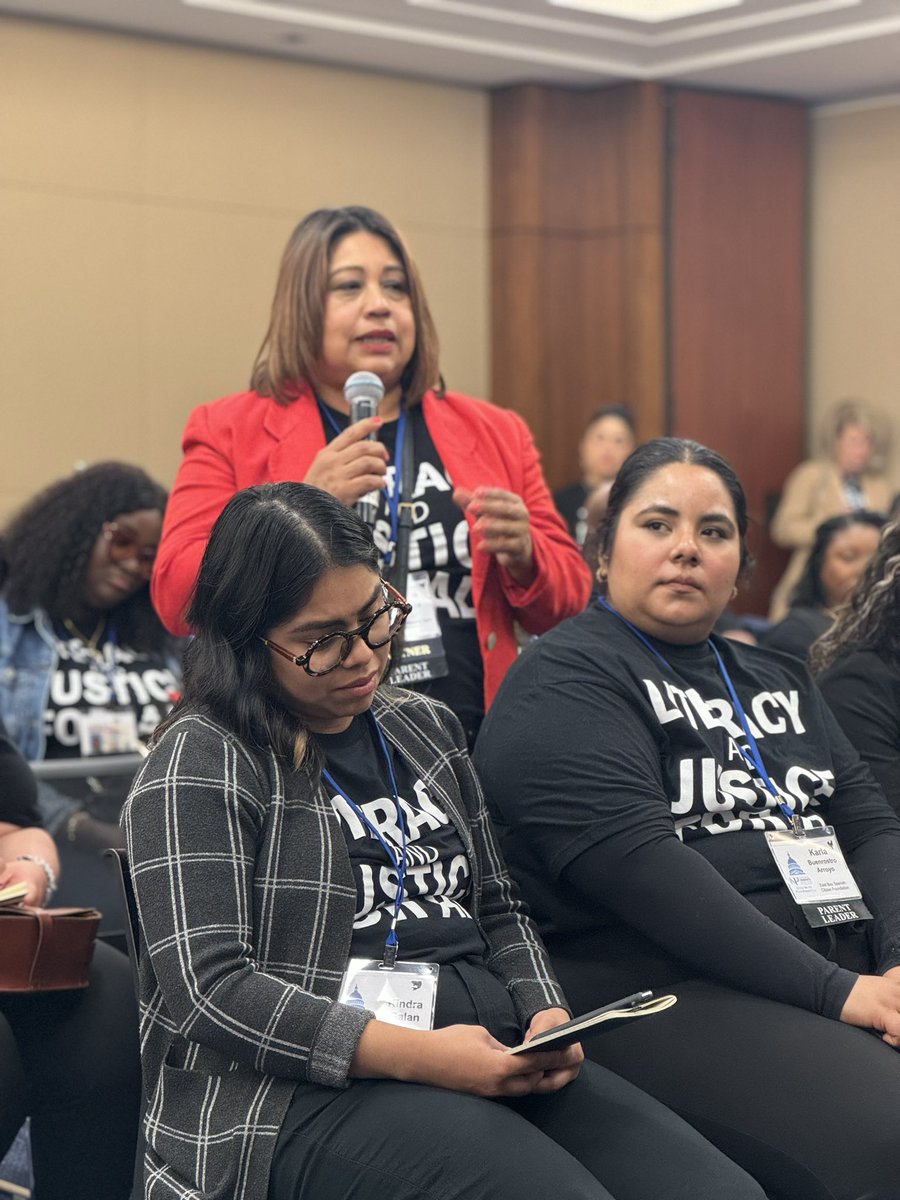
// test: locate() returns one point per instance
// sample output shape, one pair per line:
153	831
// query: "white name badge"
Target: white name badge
422	623
816	874
404	994
108	731
423	656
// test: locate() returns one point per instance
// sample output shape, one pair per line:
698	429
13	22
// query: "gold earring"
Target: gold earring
734	591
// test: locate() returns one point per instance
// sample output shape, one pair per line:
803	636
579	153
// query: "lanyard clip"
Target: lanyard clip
390	947
797	826
406	513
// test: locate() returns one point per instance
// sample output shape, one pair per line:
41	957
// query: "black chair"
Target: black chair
119	862
119	866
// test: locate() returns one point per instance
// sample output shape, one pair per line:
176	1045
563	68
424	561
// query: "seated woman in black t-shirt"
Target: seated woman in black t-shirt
664	798
294	818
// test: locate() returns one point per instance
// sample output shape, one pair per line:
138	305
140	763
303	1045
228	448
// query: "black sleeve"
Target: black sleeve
869	833
864	696
796	633
18	788
672	895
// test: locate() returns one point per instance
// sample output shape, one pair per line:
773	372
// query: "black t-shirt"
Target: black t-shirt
18	789
103	700
434	924
797	632
863	691
571	504
594	753
439	547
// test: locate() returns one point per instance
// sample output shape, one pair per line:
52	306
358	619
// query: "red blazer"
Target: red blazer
247	439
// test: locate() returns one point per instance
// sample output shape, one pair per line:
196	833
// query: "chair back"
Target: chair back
119	861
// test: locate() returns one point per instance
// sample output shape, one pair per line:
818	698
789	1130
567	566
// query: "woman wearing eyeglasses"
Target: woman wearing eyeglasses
86	666
333	957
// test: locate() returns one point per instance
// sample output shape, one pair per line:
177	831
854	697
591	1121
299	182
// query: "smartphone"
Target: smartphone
639	1004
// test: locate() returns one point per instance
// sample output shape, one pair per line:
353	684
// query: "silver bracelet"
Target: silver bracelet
48	871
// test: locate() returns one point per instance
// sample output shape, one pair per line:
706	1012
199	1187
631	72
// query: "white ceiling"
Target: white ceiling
812	50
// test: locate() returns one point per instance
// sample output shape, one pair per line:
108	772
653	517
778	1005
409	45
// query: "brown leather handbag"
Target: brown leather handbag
46	949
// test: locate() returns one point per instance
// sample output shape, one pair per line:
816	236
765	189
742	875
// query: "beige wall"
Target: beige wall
146	192
855	261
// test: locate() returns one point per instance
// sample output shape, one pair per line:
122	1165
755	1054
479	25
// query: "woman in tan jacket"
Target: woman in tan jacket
846	481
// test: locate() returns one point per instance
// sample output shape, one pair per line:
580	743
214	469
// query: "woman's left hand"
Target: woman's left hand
572	1056
502	528
30	873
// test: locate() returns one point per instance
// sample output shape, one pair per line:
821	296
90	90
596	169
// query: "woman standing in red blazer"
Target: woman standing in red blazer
486	549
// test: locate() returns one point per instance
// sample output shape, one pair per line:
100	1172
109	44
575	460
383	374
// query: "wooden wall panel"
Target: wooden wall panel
738	179
577	204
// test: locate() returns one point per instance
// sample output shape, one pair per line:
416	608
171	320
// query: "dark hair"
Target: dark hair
47	547
870	620
293	341
810	591
267	551
651	457
613	410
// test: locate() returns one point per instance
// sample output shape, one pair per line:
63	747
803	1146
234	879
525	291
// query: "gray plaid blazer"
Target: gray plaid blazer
246	900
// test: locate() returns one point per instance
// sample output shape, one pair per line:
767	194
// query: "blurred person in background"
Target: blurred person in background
609	437
847	478
487	554
857	664
87	668
841	550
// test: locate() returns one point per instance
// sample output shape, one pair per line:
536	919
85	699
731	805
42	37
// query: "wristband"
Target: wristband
48	871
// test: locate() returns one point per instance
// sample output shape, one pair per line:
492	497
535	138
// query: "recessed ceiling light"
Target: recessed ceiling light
647	10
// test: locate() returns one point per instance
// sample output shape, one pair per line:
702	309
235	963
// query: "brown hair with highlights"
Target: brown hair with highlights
293	342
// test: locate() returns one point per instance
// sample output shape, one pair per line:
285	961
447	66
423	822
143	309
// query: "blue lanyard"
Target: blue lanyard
393	500
750	753
399	863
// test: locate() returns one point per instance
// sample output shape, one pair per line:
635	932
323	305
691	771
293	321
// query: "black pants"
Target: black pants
597	1138
69	1060
809	1106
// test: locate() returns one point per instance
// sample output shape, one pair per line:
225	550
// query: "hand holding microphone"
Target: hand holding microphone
353	466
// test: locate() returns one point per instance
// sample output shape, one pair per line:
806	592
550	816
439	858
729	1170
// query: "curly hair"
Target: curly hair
46	548
870	620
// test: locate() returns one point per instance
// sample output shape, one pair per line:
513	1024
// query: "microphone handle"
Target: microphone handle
367	510
360	408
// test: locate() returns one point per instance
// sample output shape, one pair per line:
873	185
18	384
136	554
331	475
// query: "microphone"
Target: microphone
363	393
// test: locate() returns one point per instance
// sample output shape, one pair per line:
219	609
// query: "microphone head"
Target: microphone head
364	385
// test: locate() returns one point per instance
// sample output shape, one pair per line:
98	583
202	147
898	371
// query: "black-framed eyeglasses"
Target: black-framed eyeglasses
327	653
124	543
